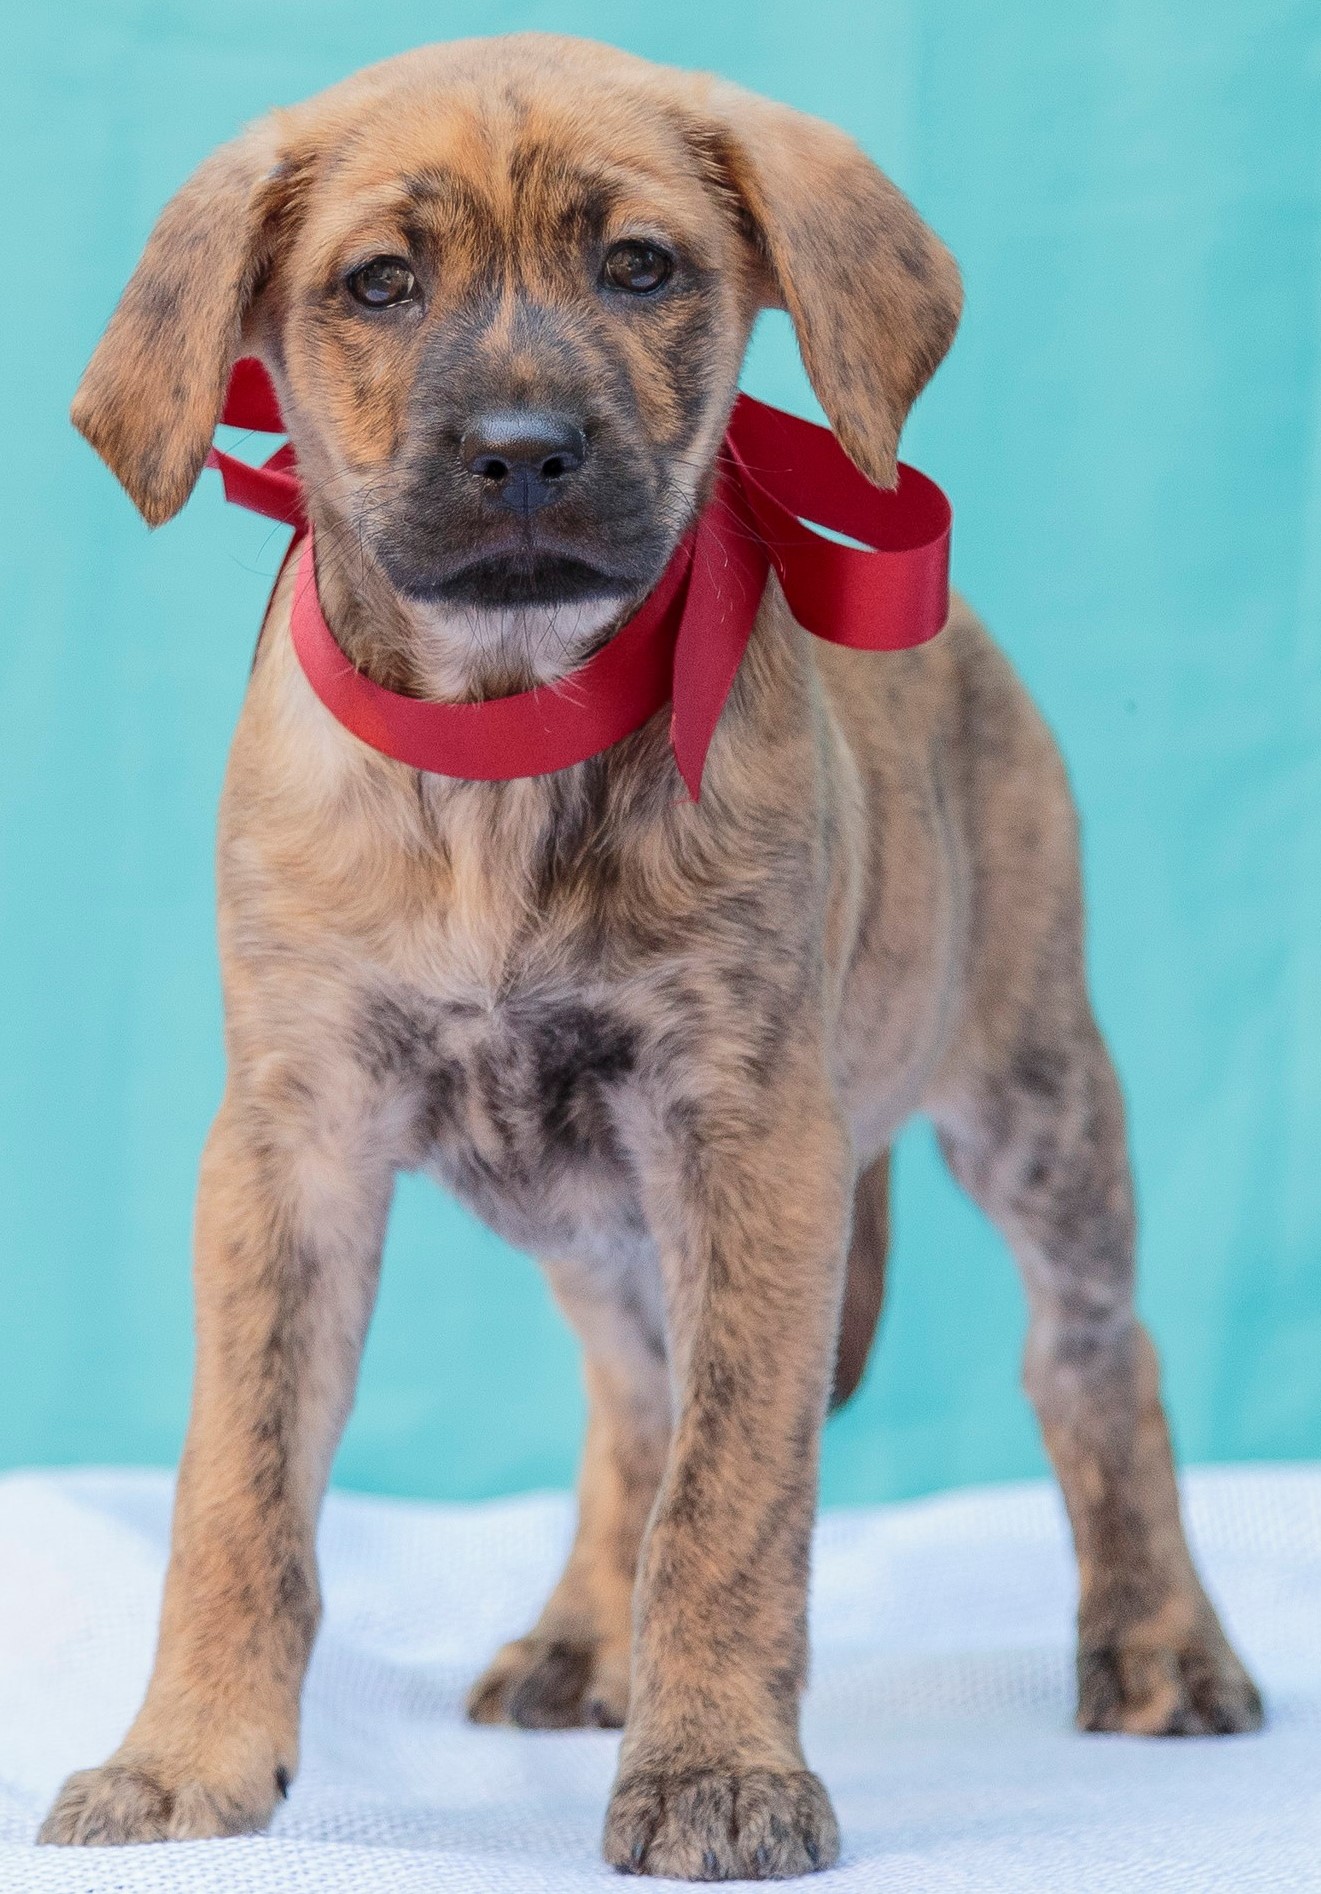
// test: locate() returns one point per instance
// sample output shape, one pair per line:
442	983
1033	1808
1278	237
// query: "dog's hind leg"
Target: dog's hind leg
864	1281
1035	1133
573	1666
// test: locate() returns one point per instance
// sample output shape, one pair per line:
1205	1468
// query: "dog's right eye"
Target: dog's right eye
382	283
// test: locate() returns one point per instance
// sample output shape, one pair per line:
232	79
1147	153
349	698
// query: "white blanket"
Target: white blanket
938	1714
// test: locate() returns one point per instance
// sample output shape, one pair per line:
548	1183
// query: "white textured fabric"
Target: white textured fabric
938	1715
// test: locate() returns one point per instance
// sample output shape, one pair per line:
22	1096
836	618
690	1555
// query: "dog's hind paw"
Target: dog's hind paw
125	1802
721	1825
1195	1688
545	1683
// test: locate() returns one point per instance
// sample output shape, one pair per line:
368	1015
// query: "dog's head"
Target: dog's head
504	288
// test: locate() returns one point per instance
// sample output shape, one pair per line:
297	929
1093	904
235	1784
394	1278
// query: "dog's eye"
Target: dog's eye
639	267
382	283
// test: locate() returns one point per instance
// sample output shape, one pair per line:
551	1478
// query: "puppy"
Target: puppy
663	1045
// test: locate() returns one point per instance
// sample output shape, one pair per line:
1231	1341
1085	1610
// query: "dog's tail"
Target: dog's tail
864	1288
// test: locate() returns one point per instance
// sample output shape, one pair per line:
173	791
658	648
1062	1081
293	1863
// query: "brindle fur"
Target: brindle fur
665	1046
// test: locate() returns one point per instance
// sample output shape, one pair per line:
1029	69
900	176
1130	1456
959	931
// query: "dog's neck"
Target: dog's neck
456	653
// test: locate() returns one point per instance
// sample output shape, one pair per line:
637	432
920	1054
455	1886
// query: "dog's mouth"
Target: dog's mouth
523	578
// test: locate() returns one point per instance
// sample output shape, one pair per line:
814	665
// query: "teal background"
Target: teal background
1129	428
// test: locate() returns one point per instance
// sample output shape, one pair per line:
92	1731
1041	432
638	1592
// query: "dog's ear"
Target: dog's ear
152	393
873	293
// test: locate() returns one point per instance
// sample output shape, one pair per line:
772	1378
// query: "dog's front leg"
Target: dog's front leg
289	1226
749	1197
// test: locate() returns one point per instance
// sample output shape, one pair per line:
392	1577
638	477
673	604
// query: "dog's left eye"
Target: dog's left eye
639	267
382	283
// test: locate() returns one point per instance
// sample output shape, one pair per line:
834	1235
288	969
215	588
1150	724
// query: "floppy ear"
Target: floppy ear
873	293
152	393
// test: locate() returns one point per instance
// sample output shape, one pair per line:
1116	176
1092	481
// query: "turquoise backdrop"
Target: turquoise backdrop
1129	427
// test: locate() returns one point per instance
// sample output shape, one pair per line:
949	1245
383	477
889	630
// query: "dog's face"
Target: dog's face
510	326
505	288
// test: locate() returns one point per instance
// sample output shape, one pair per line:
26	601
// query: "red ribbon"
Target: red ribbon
685	643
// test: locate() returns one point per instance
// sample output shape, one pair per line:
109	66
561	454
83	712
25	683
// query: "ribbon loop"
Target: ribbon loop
890	597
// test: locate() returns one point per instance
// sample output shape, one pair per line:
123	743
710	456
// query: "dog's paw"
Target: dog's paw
721	1825
542	1683
1195	1688
130	1802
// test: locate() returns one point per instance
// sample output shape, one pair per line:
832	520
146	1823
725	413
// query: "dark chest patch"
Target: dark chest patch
510	1099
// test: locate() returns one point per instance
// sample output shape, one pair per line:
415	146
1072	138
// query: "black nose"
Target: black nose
523	456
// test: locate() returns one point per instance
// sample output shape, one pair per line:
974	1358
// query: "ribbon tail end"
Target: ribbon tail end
689	767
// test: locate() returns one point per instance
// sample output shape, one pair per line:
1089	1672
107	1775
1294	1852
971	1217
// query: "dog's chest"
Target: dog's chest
512	1098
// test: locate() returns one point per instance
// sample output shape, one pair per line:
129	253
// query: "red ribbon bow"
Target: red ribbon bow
684	644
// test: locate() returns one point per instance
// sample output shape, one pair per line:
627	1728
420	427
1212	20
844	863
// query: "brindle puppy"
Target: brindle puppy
504	289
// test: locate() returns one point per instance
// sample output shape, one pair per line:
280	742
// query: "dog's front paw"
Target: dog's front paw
721	1825
543	1683
1196	1687
138	1801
